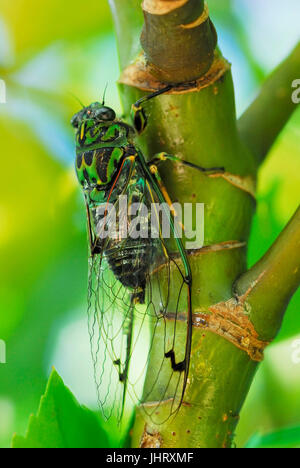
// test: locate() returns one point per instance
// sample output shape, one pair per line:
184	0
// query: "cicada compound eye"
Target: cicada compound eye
75	121
105	114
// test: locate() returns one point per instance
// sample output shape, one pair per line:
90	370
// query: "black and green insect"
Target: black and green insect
138	329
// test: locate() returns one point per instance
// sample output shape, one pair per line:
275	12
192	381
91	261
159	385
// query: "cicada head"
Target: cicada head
94	125
96	112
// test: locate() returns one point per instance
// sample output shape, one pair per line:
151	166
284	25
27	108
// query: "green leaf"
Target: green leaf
61	422
285	438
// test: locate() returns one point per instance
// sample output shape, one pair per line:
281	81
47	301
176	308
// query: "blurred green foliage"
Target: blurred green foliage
286	438
62	423
48	49
35	25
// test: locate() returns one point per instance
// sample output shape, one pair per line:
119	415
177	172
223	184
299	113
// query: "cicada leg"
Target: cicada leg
138	114
123	372
162	157
154	171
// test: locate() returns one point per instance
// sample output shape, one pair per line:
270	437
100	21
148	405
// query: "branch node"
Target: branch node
138	75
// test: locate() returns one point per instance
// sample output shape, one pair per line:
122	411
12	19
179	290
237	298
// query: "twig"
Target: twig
267	288
266	117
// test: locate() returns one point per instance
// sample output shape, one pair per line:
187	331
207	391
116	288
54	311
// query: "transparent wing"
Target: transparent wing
139	309
112	323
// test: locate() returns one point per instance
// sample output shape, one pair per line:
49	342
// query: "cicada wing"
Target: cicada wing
139	311
113	316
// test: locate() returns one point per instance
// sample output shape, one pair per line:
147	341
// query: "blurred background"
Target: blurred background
48	50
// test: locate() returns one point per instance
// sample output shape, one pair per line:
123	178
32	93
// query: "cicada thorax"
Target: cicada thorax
91	134
96	169
100	149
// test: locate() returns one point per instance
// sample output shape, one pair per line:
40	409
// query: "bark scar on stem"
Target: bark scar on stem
153	404
243	298
138	76
228	245
150	439
228	319
221	247
247	184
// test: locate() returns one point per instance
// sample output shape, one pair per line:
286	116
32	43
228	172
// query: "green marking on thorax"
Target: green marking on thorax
114	161
92	143
111	132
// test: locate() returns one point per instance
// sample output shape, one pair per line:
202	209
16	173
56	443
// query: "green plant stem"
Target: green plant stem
270	284
261	124
199	125
128	21
178	39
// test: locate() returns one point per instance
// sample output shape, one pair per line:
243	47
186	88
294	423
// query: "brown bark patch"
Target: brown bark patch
228	319
138	75
150	439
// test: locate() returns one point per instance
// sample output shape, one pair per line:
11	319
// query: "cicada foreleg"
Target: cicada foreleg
138	113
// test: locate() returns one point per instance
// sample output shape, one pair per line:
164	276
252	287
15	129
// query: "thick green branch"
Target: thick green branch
268	287
263	121
178	39
128	21
198	124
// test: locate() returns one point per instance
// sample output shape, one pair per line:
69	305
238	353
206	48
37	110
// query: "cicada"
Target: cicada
140	280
